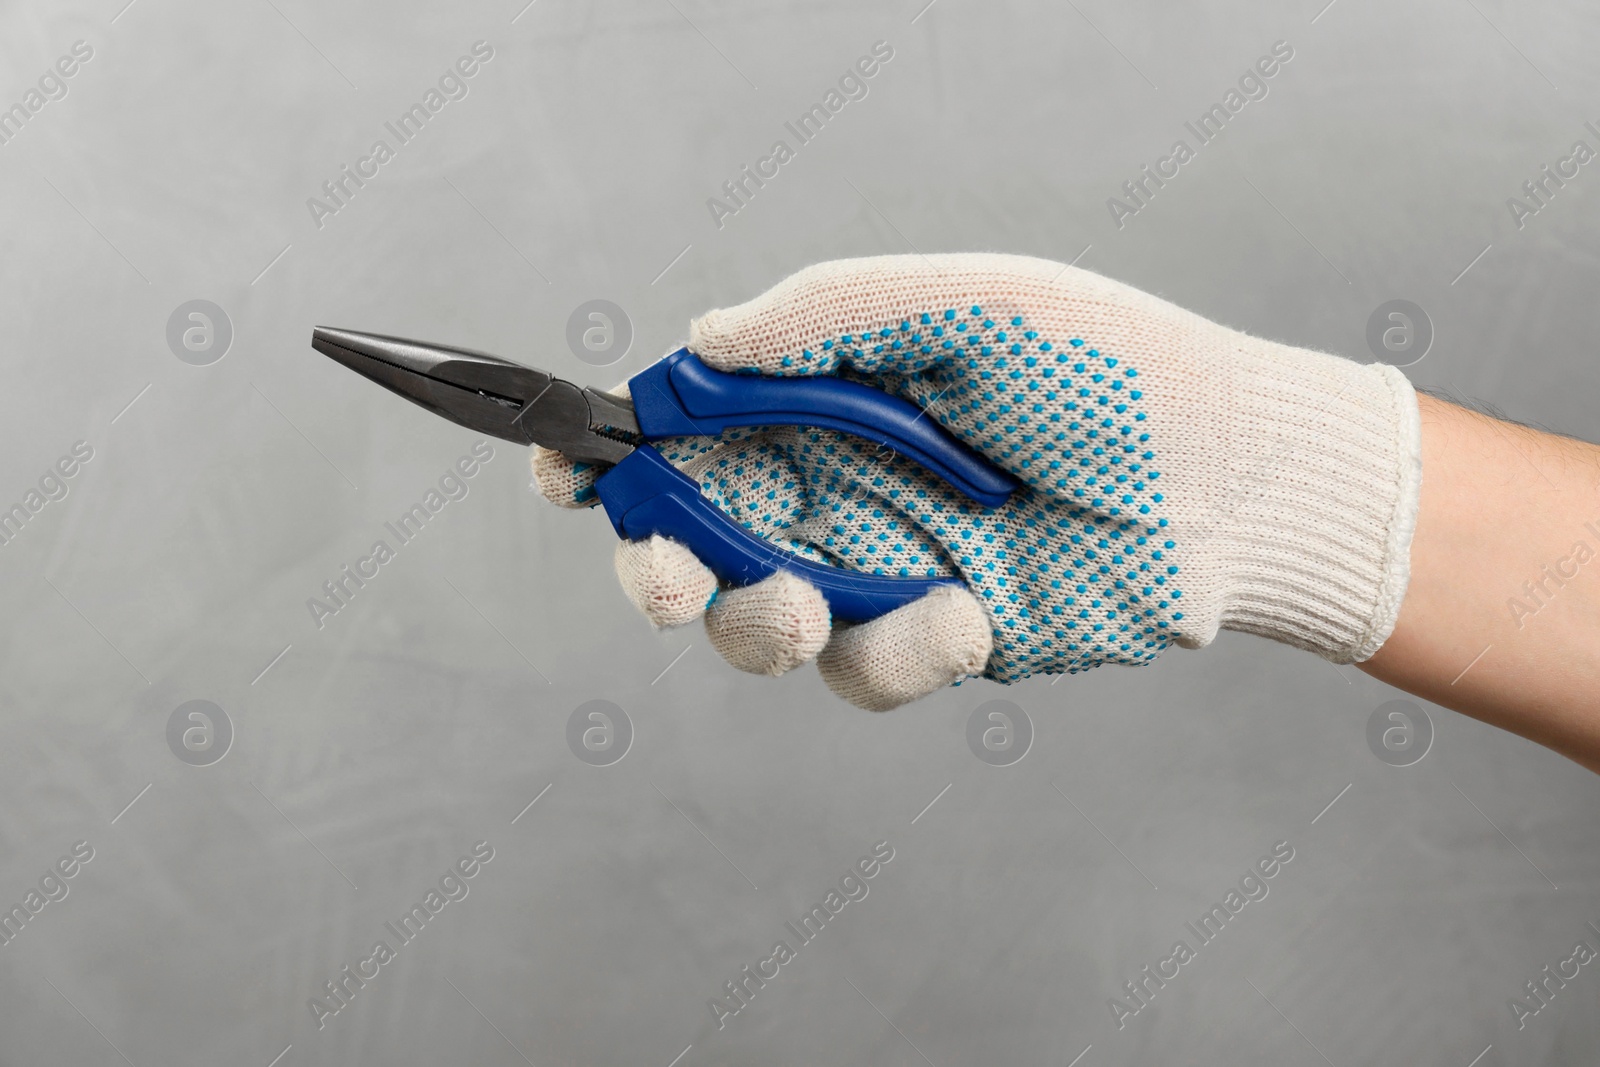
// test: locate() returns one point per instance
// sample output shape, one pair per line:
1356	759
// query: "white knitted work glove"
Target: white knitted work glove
1180	477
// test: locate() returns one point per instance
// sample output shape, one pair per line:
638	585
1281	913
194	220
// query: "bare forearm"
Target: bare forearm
1501	620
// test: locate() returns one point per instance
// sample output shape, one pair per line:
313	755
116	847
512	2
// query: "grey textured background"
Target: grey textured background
426	715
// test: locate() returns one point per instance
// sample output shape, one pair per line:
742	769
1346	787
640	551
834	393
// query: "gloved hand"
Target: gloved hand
1180	477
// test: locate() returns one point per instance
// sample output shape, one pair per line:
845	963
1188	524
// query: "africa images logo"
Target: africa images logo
1252	886
1252	85
453	885
342	588
52	85
742	988
852	85
452	85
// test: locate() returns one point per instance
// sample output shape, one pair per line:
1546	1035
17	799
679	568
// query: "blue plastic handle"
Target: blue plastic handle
644	495
682	397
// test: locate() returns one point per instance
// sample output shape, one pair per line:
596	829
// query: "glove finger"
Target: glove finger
664	580
910	652
770	627
562	481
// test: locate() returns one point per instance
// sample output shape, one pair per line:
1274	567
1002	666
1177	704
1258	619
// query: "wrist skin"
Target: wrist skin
1501	620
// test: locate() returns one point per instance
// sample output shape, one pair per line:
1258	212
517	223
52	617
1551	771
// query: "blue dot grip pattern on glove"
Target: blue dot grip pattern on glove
1075	571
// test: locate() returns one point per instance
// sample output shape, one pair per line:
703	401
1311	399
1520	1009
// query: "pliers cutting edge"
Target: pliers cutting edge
678	396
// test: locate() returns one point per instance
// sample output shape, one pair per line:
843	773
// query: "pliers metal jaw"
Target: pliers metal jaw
491	395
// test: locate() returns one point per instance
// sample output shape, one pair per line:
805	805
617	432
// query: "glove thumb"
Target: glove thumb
783	330
563	482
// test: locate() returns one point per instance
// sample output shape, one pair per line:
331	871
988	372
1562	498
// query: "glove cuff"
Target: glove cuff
1316	539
